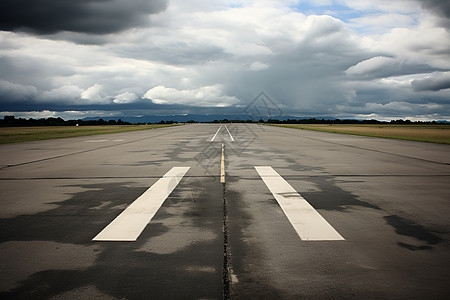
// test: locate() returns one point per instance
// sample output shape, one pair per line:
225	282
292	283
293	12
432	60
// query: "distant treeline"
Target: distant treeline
11	121
323	121
338	121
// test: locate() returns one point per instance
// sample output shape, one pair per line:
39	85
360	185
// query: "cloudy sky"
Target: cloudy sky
365	59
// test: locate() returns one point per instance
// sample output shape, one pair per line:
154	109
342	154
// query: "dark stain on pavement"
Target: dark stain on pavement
341	200
120	271
409	228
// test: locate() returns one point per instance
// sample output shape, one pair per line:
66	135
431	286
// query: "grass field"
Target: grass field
25	134
439	133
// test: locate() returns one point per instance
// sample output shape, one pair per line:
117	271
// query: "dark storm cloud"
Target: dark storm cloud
83	16
437	82
440	8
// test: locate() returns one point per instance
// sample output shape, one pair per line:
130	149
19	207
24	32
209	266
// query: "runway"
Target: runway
212	211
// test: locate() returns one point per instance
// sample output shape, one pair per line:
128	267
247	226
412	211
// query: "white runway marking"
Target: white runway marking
218	130
95	141
308	223
132	221
212	140
231	137
102	141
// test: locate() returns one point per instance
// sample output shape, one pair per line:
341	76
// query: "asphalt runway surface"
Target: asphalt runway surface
322	216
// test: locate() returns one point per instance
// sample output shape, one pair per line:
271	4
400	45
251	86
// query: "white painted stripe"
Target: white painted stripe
96	141
222	166
212	140
308	223
132	221
231	137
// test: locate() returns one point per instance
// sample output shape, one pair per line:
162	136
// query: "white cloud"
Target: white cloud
258	66
382	22
207	96
393	110
372	65
402	107
95	94
420	44
400	6
126	97
65	94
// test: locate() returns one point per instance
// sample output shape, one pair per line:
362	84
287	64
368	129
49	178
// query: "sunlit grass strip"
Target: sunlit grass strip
25	134
423	133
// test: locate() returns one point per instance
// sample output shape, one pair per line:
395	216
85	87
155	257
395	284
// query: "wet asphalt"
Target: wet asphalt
389	199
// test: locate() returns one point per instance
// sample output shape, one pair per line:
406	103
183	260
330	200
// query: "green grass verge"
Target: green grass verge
26	134
439	133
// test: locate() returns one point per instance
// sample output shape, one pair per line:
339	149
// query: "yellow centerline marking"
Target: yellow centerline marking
222	166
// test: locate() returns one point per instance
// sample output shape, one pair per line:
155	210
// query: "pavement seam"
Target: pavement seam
226	255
